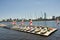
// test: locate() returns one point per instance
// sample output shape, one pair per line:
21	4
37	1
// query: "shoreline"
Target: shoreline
28	20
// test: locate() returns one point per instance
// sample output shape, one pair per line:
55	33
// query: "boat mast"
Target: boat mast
30	21
36	17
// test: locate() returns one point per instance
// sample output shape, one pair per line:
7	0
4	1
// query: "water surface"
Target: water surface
6	34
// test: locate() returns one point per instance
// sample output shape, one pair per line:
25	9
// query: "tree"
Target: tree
7	20
3	20
58	17
14	19
10	19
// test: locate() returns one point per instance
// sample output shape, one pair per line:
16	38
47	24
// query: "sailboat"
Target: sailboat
28	27
22	25
30	22
14	25
13	22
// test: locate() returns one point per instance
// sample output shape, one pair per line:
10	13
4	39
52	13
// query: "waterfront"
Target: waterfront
6	34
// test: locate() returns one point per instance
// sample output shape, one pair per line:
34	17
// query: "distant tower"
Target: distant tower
45	19
44	15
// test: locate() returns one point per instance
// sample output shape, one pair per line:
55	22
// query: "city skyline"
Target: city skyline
28	9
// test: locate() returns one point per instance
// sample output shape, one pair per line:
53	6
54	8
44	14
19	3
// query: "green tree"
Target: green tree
3	20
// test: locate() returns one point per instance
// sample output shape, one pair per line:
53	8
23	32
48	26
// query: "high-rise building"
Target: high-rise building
44	15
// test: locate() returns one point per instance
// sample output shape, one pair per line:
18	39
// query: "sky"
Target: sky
28	9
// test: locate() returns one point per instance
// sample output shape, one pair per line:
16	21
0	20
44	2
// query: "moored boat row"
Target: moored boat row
40	30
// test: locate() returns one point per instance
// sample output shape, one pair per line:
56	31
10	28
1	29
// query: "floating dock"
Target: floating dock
45	31
39	30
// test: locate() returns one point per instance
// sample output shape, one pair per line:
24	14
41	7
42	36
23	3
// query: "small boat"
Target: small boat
32	29
42	30
49	31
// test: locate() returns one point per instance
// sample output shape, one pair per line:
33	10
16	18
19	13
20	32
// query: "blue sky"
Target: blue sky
28	8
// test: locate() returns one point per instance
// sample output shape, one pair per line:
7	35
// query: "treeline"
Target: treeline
38	19
10	20
43	19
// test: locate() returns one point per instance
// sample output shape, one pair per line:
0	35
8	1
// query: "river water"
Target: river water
6	34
